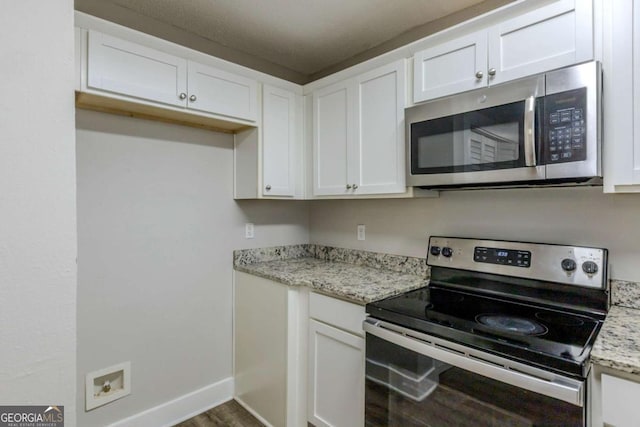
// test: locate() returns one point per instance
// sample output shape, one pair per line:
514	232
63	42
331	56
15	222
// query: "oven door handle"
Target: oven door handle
513	373
530	131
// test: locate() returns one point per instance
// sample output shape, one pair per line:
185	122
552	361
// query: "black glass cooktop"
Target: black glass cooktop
533	334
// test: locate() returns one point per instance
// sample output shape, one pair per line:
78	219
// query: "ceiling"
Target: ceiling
299	40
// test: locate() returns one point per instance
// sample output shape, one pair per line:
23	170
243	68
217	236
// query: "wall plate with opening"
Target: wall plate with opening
106	385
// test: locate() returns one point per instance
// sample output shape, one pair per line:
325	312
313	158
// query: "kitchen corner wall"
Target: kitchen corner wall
576	216
37	206
157	225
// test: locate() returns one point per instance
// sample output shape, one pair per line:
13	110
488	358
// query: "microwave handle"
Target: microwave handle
530	131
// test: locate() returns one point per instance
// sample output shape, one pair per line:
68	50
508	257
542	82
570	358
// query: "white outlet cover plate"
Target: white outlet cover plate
248	231
92	401
361	231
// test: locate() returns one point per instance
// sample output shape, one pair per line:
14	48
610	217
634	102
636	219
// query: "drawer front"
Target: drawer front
341	314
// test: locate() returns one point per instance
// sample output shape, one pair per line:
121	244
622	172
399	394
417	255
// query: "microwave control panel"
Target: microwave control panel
566	126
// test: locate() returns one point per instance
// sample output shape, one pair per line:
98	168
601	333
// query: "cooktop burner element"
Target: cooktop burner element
541	314
511	324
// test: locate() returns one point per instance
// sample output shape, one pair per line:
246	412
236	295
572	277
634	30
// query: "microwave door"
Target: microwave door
495	144
483	136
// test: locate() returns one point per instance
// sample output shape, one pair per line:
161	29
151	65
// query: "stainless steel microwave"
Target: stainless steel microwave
543	129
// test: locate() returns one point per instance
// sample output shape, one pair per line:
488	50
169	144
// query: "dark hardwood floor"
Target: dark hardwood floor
229	414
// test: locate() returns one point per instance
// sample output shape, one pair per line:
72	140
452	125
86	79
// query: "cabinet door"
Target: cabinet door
376	158
621	89
260	346
553	36
455	66
336	377
620	399
126	68
218	92
278	139
333	118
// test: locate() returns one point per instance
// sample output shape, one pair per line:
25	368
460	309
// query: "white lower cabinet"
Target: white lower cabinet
336	363
268	369
620	399
298	355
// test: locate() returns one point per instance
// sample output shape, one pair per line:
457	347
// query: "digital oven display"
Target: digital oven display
512	257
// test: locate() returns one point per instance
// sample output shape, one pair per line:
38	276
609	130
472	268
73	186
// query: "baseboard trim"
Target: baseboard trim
182	408
252	411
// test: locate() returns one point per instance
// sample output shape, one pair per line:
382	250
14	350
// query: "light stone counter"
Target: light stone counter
356	276
618	343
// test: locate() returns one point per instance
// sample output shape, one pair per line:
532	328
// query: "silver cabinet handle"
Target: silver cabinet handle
192	98
530	131
492	72
479	75
355	186
182	95
268	187
348	186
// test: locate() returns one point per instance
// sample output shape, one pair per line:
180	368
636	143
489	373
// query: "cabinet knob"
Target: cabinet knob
192	98
348	186
492	72
355	186
268	187
479	74
182	95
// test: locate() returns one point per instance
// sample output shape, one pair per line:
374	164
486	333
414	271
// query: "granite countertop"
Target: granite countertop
356	276
618	343
362	277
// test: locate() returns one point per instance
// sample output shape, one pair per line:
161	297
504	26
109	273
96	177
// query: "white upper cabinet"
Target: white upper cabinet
130	70
554	36
452	67
218	92
278	141
551	37
358	136
621	96
378	164
126	68
333	121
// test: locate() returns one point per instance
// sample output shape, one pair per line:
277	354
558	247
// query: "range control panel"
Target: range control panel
565	121
501	256
574	265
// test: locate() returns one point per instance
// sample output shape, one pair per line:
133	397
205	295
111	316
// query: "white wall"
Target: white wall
37	205
579	216
157	224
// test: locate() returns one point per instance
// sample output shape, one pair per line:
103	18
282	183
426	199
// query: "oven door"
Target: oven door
414	379
480	137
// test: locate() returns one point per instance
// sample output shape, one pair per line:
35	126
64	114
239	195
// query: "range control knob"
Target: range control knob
447	252
590	267
435	250
568	265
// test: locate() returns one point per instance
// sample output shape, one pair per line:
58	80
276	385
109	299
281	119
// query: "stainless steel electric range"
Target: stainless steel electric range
501	336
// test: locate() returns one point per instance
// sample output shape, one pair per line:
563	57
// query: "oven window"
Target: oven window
404	388
487	139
